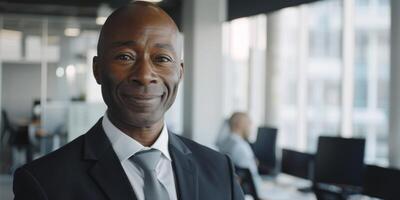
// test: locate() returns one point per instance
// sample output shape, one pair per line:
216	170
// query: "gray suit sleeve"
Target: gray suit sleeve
26	186
237	193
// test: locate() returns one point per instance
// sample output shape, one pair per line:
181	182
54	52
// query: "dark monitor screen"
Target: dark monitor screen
381	182
297	163
265	145
339	161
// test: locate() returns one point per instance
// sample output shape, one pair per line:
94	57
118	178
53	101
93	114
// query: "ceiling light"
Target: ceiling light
72	28
72	32
70	71
101	20
60	72
102	13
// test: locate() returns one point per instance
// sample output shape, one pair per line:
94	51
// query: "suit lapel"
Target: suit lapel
107	171
184	169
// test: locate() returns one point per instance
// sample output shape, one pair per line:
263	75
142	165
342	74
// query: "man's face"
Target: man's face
246	125
139	70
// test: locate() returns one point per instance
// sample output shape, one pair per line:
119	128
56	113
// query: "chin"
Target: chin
143	120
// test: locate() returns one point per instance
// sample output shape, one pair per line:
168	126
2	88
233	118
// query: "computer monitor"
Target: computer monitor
339	161
297	164
381	182
265	149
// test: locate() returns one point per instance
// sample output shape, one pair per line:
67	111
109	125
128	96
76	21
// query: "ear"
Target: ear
181	71
97	69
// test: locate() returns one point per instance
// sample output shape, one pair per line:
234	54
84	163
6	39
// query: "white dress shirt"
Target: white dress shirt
125	147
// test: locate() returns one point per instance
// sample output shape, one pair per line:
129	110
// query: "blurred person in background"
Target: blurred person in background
235	144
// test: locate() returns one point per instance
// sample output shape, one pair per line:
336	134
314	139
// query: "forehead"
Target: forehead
147	33
140	26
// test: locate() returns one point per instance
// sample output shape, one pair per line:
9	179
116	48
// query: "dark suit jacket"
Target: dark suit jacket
88	168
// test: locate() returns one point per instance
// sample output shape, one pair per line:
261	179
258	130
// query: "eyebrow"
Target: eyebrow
133	43
165	46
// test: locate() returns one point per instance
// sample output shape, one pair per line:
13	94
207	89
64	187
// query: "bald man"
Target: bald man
129	154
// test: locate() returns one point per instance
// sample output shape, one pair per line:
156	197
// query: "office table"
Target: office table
285	187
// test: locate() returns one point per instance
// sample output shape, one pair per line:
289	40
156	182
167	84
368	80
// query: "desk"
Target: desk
284	187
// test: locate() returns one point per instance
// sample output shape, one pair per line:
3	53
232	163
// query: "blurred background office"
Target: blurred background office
309	73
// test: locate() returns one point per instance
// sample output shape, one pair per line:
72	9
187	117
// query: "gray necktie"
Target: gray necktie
147	160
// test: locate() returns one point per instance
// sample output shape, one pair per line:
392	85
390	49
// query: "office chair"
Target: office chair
264	149
381	182
17	138
247	182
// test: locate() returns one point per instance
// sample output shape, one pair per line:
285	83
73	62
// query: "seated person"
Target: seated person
236	146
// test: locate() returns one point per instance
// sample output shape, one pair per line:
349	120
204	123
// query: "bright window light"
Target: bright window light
71	71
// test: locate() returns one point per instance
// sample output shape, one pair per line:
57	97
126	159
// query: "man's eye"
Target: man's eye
124	57
163	59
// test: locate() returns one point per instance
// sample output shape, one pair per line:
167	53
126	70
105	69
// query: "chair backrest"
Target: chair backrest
381	182
6	126
265	147
297	164
247	182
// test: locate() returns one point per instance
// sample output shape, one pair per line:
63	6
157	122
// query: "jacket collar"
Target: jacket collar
116	185
107	171
184	168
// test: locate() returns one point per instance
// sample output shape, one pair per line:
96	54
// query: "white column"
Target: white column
43	77
347	69
274	24
302	82
394	106
202	29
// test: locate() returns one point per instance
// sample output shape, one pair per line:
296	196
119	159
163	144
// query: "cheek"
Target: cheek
111	79
117	73
172	84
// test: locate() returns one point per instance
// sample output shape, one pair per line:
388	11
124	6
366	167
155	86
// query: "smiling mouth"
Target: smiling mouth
142	100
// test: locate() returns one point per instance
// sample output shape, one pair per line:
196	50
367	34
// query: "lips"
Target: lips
142	100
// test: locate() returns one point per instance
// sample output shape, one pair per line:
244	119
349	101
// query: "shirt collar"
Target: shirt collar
236	136
125	146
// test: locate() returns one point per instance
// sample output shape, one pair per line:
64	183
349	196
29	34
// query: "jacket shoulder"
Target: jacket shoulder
204	153
58	159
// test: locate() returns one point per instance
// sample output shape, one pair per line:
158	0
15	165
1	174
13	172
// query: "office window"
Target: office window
244	67
311	71
287	64
308	45
323	70
371	77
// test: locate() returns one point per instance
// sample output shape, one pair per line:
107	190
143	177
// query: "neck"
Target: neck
237	132
146	136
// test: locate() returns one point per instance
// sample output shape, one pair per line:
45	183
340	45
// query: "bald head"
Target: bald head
240	124
136	15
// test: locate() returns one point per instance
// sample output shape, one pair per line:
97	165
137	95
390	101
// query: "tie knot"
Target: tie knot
148	159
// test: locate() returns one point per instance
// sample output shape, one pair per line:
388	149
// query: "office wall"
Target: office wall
21	86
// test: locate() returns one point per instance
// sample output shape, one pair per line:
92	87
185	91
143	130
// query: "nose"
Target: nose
143	73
